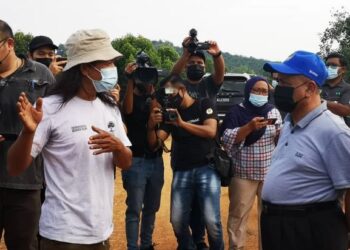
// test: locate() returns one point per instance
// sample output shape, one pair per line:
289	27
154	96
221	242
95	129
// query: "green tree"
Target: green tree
336	37
22	41
162	57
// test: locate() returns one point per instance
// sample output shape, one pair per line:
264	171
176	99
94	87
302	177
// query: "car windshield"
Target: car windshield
233	86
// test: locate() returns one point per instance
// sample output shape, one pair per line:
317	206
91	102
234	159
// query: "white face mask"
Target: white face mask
109	79
258	100
332	72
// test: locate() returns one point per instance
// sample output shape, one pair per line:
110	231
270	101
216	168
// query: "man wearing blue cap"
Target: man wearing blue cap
309	169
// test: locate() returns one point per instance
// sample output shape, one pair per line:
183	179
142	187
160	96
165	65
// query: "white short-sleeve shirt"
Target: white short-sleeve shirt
78	205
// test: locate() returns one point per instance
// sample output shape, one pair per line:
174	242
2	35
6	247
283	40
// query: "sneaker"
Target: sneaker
202	246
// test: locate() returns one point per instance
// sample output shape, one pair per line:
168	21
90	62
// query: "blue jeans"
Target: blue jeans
143	183
204	183
197	224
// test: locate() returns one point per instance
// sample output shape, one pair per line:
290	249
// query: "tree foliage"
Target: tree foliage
22	41
336	37
163	56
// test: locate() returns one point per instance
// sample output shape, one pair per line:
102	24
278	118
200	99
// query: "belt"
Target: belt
276	209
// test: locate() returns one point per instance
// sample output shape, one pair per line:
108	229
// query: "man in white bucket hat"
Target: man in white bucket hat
79	131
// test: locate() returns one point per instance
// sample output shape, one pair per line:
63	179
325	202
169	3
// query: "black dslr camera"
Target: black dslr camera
162	95
194	44
145	73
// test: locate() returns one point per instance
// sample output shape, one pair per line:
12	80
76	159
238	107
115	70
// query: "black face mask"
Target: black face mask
175	101
45	61
195	72
284	98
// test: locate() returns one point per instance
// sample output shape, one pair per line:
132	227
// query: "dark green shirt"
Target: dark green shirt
32	78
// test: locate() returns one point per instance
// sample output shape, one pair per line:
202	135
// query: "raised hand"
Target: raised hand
213	49
57	67
185	44
30	116
104	142
130	68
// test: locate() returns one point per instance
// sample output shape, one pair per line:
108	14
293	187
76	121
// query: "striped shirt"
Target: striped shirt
251	162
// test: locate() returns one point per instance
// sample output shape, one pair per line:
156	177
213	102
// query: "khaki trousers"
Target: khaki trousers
242	194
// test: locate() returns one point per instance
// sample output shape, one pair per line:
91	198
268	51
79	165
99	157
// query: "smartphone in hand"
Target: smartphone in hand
271	121
60	59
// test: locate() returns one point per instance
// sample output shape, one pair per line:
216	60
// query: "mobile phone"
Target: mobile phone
59	59
9	137
271	121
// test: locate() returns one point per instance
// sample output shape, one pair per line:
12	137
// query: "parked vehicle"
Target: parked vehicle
230	93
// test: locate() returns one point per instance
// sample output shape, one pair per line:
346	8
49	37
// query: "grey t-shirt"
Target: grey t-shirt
339	93
33	79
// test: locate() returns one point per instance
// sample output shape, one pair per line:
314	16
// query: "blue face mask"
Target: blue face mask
332	72
258	100
108	81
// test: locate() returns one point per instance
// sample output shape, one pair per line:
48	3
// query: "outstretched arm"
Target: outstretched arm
30	118
219	63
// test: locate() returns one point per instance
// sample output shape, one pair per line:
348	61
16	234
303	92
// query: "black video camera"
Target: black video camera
162	96
145	73
194	44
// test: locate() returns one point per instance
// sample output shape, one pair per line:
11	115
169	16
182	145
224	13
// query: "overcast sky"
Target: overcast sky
267	29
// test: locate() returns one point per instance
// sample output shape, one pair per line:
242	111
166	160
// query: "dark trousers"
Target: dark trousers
46	244
19	218
303	229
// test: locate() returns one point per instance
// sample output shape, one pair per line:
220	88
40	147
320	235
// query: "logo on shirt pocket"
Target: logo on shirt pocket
79	128
299	155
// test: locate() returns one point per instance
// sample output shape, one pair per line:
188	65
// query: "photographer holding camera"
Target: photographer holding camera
193	60
143	182
199	86
193	125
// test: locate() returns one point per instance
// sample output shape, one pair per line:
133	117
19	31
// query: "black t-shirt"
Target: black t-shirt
206	88
339	93
33	79
136	123
190	151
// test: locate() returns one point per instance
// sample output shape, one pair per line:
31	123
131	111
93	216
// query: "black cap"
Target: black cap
199	53
41	41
